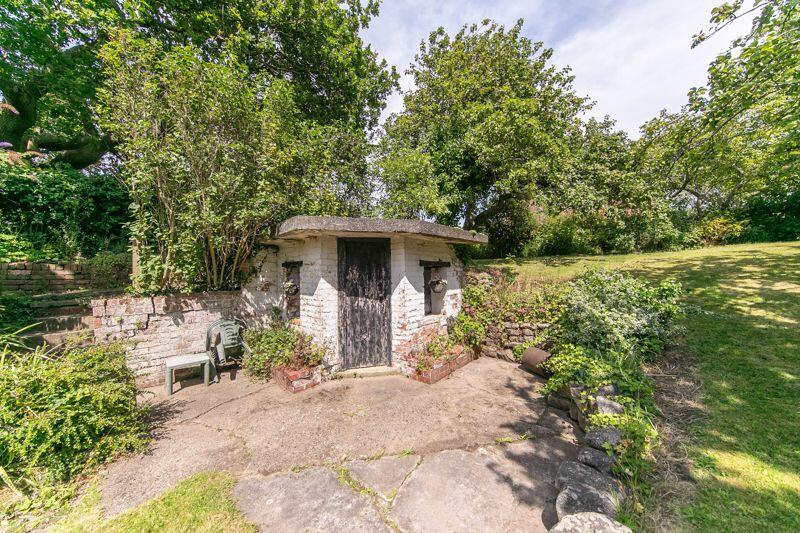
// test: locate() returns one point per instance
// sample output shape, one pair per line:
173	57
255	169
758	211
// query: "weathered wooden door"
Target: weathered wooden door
365	287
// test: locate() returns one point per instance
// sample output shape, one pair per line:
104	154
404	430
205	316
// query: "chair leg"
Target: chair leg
168	381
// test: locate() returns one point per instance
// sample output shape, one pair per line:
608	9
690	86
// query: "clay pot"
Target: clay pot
532	359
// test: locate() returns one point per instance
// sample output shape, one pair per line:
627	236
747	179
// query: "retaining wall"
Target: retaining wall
163	326
37	278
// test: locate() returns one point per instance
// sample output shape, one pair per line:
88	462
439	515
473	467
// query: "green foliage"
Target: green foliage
609	324
15	312
719	230
62	415
279	345
486	125
440	348
15	248
108	270
213	158
54	212
492	297
615	313
51	68
576	364
773	215
559	235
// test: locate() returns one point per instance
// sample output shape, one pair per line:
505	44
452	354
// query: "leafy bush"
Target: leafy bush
15	312
609	324
773	215
719	230
109	270
559	235
494	296
54	212
615	313
279	345
440	348
575	364
15	248
61	415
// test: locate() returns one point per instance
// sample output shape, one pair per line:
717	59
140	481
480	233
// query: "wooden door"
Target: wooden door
365	287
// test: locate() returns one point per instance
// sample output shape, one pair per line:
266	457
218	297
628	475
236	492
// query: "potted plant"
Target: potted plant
290	288
438	285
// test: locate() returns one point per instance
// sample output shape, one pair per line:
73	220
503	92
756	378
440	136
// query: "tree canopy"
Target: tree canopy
51	68
488	123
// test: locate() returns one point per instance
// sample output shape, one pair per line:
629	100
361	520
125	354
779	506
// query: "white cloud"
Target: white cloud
632	57
641	61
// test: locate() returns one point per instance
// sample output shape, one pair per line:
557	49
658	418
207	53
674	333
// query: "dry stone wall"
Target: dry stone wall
502	338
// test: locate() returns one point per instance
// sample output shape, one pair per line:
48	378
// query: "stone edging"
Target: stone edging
589	496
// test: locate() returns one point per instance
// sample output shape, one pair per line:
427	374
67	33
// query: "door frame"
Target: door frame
341	302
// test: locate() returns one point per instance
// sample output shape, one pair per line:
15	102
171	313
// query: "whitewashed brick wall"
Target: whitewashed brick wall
163	326
411	328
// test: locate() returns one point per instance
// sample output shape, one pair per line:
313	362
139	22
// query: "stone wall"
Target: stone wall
503	337
39	278
164	326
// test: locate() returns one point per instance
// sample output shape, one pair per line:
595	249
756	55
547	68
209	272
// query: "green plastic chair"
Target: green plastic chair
225	341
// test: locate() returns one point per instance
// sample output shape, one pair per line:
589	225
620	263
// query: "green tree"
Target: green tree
51	67
213	157
486	126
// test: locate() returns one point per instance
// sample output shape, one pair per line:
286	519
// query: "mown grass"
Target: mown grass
201	503
744	337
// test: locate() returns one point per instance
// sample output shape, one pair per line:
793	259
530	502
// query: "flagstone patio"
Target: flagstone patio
475	452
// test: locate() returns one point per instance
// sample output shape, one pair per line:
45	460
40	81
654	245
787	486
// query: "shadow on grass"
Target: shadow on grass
743	331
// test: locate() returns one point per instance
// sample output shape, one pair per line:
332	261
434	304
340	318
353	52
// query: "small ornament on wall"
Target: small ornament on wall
438	285
290	288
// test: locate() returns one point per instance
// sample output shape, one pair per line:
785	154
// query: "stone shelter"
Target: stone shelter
370	290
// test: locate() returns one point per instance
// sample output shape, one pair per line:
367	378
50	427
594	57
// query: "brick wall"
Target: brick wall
411	328
38	278
163	326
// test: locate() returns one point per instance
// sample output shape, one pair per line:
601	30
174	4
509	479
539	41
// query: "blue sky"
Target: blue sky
632	57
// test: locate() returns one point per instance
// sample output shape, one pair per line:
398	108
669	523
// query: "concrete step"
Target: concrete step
368	372
71	322
57	338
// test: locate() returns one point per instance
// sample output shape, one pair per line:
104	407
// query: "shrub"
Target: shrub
494	296
58	213
279	345
440	348
15	312
559	235
615	313
720	230
61	415
575	364
109	270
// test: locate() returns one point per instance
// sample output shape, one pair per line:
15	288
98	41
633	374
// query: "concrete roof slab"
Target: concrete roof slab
303	226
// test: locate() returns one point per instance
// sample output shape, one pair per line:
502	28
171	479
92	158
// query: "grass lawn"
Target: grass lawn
201	503
744	337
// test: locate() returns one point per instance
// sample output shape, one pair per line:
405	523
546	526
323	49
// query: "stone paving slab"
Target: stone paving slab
460	491
309	502
463	482
383	475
